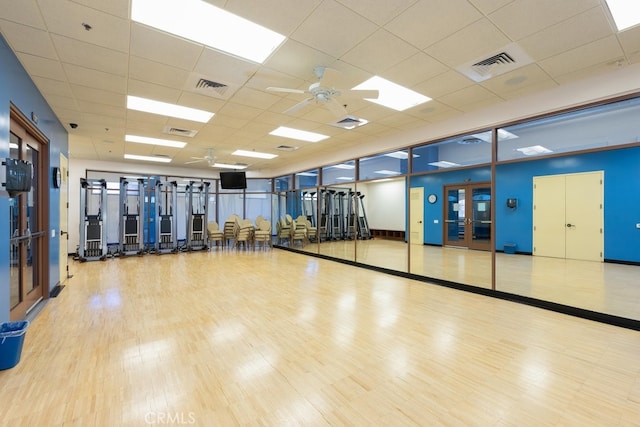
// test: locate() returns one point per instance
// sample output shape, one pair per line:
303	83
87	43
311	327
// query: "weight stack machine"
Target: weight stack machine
131	217
363	224
166	199
93	220
197	214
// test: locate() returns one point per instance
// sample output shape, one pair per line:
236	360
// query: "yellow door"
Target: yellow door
64	214
416	215
585	216
549	216
568	219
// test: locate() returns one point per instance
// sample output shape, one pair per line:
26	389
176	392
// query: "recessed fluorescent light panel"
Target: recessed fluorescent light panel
534	150
392	95
503	135
307	174
402	155
386	172
147	158
228	166
301	135
154	141
344	178
166	109
626	13
255	154
205	23
343	166
444	164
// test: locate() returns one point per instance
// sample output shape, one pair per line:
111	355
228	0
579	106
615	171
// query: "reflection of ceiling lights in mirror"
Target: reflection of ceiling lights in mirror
534	150
503	135
301	135
444	164
307	174
204	23
344	178
343	166
392	95
386	172
402	155
229	166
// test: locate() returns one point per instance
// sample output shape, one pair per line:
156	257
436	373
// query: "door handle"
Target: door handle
570	225
62	232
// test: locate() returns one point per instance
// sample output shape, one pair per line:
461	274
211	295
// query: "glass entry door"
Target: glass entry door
468	216
28	235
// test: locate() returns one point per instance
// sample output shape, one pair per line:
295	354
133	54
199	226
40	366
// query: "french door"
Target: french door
468	216
28	241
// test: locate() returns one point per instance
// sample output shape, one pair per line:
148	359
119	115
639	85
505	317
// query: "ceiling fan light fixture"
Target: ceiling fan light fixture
392	95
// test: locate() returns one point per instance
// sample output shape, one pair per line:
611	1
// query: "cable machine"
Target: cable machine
131	217
93	219
166	201
363	224
197	214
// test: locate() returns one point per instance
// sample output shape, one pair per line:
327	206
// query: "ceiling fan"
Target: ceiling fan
324	94
209	158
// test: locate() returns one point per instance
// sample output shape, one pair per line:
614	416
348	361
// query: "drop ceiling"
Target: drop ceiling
86	74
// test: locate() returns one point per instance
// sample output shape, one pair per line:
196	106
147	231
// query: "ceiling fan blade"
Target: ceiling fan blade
336	108
284	89
298	106
194	161
367	94
327	76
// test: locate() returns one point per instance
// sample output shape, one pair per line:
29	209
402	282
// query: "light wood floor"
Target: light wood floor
602	287
275	338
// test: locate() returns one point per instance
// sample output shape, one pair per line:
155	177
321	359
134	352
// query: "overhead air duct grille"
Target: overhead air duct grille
504	60
210	85
484	67
179	132
286	148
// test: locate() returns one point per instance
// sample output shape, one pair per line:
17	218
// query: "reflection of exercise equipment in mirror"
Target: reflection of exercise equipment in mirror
93	202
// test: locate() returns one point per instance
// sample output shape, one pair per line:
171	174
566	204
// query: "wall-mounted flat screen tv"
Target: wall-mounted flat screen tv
18	176
233	180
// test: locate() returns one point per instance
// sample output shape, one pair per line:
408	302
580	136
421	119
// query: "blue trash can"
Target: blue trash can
510	248
11	340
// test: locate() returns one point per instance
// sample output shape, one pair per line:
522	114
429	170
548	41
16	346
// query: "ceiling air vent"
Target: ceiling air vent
502	61
210	85
179	132
286	148
349	122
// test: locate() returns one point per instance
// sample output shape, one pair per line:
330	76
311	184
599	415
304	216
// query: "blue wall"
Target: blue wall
621	199
16	87
434	183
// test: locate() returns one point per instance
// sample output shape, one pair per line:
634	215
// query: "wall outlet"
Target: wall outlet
638	225
435	221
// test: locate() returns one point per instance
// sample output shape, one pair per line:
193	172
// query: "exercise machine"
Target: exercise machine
197	214
131	217
166	201
93	220
363	224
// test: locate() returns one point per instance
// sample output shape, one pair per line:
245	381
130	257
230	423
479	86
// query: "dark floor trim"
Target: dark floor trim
595	316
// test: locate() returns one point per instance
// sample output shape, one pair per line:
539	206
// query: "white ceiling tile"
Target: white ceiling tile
415	69
256	98
203	102
93	94
282	16
333	29
475	40
102	109
630	41
488	6
390	50
27	39
594	53
53	87
97	79
467	96
578	30
68	19
149	90
164	48
119	8
27	14
382	13
521	18
517	80
160	74
39	66
423	25
443	84
91	56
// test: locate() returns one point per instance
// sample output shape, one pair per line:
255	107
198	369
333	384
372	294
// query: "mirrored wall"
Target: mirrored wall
547	208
